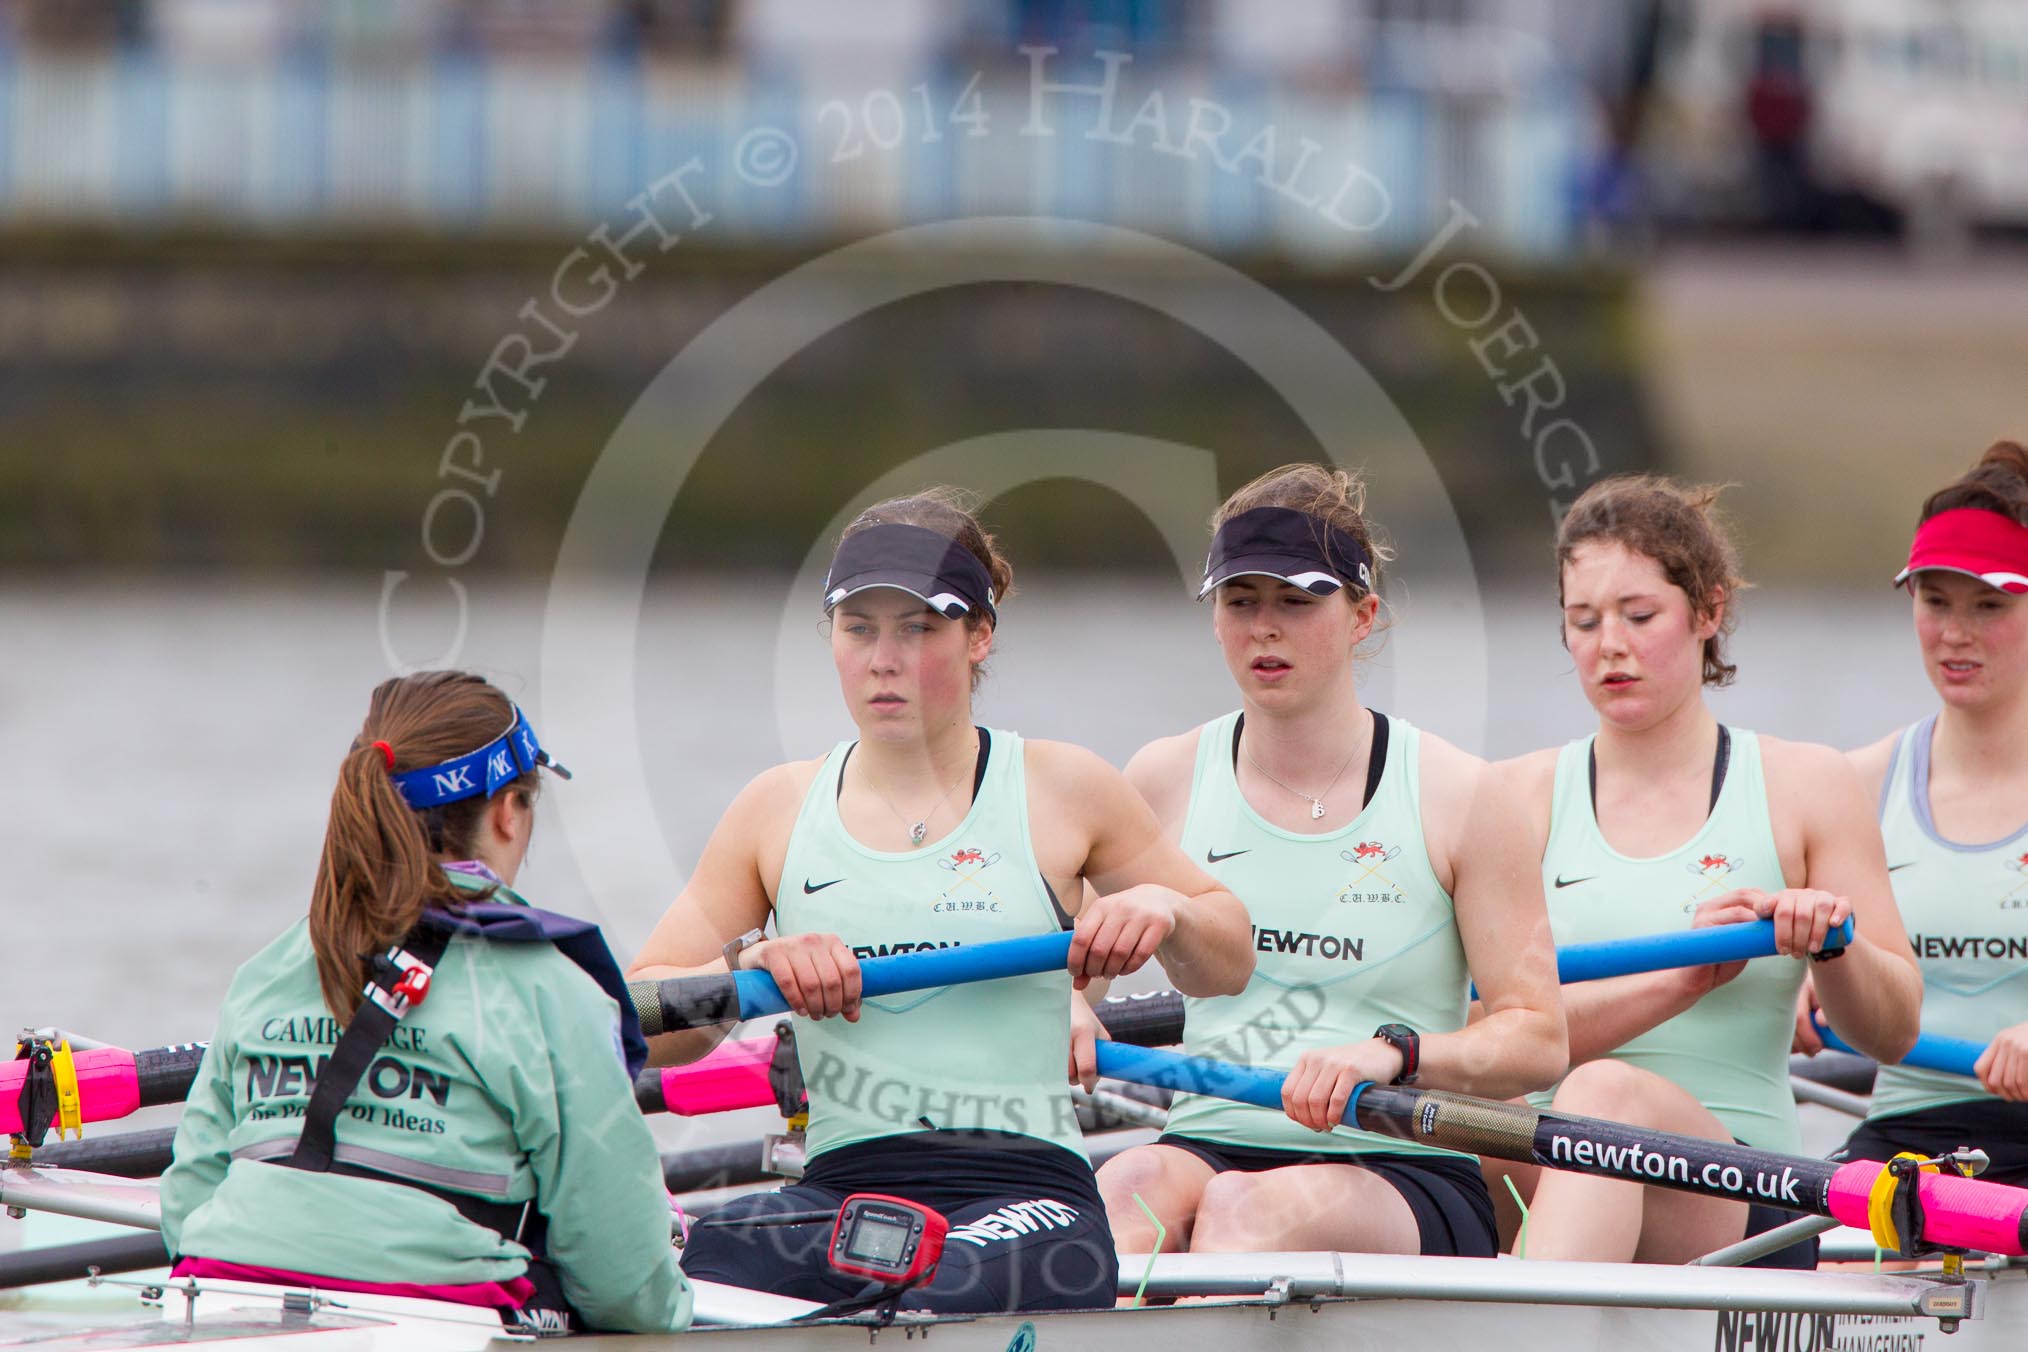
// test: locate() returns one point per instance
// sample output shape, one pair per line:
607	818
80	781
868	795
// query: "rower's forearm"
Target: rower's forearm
1503	1054
1873	999
1210	952
1604	1015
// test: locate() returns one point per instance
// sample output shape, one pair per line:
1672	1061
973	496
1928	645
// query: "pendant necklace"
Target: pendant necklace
1316	799
920	828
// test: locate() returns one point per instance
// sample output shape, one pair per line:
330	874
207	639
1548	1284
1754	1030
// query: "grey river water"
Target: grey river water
170	748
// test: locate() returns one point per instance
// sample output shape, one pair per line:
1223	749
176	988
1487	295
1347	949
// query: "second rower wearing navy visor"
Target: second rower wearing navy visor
1297	548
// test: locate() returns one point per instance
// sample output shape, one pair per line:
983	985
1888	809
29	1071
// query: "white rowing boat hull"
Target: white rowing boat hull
1437	1304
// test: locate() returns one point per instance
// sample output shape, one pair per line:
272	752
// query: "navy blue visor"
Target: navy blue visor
1297	548
936	570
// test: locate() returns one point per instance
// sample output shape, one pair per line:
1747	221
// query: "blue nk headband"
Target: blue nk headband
501	761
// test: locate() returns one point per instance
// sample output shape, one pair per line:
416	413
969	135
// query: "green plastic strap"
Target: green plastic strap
1161	1235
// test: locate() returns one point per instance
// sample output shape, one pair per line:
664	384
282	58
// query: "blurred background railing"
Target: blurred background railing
464	141
531	117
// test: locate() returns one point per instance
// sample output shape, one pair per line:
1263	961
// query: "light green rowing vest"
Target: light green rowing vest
1351	930
1966	908
989	1055
1731	1049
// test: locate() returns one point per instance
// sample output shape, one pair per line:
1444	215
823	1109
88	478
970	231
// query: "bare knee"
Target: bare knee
1149	1179
1614	1089
1142	1171
1229	1212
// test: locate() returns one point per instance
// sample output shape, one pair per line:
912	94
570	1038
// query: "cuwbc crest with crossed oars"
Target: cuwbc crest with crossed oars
966	865
1368	856
1714	869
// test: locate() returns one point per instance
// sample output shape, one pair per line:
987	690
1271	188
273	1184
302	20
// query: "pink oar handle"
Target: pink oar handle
107	1087
1958	1213
734	1075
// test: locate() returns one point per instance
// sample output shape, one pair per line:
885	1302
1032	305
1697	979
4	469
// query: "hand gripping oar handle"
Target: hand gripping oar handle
698	1001
1958	1212
1742	939
1951	1055
1680	948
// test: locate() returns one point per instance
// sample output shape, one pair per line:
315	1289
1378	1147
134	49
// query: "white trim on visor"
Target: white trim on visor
1309	581
2014	584
942	602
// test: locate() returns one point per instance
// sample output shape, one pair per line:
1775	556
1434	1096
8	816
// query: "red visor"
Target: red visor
1975	542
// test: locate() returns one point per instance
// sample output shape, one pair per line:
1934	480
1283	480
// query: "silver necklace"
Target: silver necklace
920	828
1316	799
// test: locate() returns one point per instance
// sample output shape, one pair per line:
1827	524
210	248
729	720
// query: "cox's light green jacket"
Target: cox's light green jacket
505	1082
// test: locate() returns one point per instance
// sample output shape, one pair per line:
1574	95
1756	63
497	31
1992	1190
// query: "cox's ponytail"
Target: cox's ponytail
379	867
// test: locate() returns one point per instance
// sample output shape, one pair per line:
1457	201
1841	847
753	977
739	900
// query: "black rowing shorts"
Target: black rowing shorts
1453	1211
1997	1127
1028	1231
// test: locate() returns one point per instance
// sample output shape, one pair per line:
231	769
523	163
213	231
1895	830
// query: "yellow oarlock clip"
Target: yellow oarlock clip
69	1106
1880	1202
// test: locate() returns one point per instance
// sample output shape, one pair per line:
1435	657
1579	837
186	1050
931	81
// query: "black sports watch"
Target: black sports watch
1406	1041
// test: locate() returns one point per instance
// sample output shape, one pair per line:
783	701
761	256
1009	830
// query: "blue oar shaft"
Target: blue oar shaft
923	970
697	1001
1951	1055
1676	948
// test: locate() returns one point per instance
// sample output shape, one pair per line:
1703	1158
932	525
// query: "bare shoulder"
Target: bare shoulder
1530	782
1871	762
1066	767
768	805
1802	765
1531	774
1808	779
777	785
1448	770
1162	771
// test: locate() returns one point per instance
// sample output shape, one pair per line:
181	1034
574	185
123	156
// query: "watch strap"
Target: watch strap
1406	1041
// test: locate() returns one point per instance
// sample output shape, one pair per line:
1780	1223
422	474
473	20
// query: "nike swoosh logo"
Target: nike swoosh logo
1213	856
1562	881
809	886
1895	868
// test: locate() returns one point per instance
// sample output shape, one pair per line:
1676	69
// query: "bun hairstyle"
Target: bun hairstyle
1327	492
378	871
1677	526
1998	483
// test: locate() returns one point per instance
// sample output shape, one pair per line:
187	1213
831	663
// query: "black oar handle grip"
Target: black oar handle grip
165	1074
1151	1020
133	1154
685	1002
68	1262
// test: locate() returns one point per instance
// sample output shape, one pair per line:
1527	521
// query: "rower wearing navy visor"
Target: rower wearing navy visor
425	1088
1377	862
927	830
1953	795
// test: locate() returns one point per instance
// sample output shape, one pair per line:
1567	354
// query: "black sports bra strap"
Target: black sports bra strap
1376	758
1720	762
978	774
1376	762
